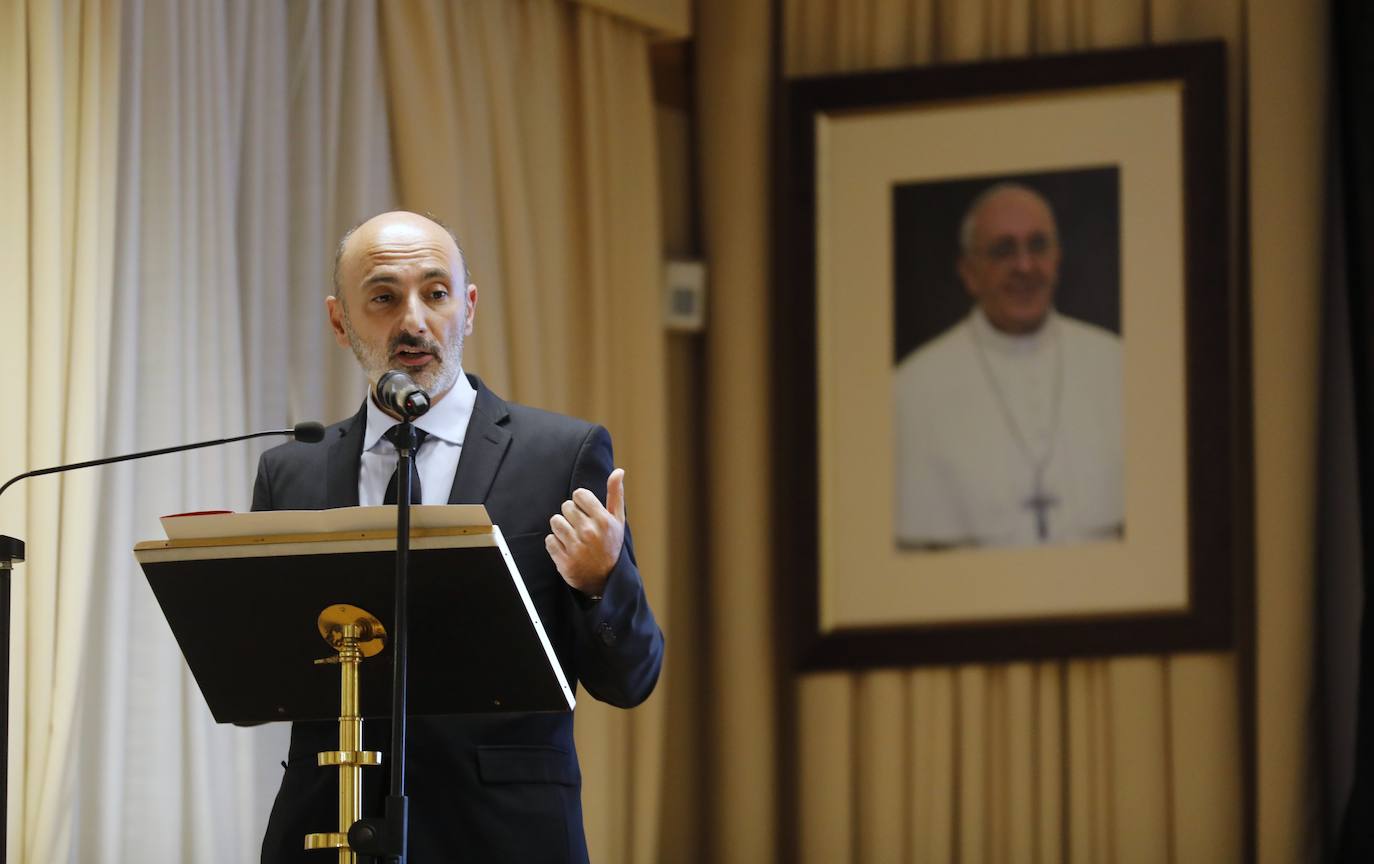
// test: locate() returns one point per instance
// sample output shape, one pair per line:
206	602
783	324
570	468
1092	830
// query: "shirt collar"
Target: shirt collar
1011	343
446	419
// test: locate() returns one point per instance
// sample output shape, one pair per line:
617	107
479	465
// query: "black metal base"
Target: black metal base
382	837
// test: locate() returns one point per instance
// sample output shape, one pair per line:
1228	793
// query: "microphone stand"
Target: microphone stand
387	837
12	552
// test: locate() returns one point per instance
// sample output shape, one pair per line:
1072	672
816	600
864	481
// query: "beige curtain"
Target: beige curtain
1129	759
670	19
337	149
59	88
230	178
741	783
144	302
1286	78
528	126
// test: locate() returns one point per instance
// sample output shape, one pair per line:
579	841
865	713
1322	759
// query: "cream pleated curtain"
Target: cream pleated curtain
153	295
528	127
1136	759
59	100
157	779
179	174
249	139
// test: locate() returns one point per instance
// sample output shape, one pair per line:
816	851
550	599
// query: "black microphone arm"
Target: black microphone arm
307	432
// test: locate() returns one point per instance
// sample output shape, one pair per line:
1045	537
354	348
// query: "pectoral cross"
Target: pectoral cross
1041	501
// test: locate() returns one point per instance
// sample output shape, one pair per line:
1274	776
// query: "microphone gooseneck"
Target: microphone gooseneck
398	393
307	432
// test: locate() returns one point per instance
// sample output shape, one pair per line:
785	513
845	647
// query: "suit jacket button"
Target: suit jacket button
607	634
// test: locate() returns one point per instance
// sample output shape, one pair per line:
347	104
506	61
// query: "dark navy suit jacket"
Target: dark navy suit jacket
482	788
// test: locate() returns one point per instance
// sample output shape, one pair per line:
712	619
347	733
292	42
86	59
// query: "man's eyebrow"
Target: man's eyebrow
381	279
433	274
1012	235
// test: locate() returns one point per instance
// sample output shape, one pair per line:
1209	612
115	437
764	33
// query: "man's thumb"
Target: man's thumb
615	494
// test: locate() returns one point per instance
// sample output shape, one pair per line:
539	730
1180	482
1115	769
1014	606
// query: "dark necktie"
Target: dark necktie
392	435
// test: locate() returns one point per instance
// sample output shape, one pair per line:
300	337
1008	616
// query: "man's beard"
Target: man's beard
435	378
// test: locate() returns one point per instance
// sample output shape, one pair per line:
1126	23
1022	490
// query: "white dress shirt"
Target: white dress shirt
446	422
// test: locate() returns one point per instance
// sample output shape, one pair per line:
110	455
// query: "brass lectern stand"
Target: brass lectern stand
304	579
355	634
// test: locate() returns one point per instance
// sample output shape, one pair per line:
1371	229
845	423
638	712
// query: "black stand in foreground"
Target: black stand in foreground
385	837
11	552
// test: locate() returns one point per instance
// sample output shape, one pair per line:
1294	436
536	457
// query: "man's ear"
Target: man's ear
471	310
334	307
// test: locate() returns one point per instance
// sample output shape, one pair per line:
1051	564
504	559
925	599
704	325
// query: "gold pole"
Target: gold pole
354	637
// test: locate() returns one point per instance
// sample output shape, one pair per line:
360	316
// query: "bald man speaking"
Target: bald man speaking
482	788
1008	425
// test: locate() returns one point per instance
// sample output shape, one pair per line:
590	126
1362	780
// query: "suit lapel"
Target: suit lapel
484	446
344	463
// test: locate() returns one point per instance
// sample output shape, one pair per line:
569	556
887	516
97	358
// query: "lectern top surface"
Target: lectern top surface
312	532
332	521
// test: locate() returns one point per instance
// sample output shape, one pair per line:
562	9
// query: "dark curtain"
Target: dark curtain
1351	295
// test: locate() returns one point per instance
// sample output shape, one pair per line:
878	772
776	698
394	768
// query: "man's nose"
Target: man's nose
1024	259
413	321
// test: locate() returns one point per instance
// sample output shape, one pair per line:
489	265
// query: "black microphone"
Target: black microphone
307	432
398	393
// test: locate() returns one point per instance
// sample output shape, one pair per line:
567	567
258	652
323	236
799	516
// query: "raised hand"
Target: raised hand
586	539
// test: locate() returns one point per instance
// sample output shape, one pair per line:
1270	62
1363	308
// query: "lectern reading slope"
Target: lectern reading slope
244	592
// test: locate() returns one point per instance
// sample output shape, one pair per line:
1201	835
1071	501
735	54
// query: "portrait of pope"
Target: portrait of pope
1006	385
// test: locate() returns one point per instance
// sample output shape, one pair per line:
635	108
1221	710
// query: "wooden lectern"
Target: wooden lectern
259	602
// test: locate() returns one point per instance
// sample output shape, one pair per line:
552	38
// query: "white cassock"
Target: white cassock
1009	440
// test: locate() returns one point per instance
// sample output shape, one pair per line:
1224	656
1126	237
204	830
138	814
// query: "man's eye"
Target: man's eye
1002	250
381	299
439	294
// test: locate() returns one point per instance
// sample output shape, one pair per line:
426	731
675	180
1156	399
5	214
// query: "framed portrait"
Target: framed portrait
1010	361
